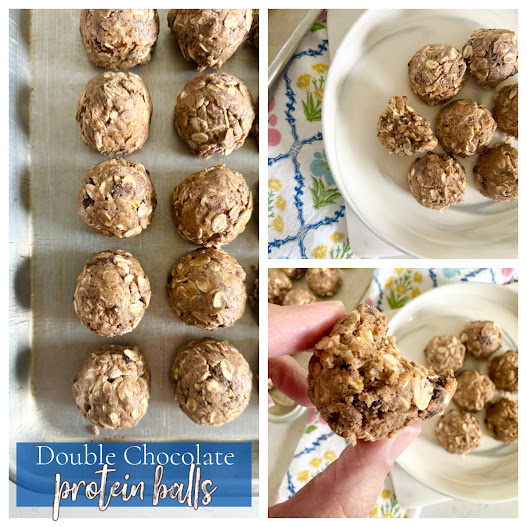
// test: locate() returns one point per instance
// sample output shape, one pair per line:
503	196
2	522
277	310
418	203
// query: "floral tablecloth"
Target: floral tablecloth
305	208
390	290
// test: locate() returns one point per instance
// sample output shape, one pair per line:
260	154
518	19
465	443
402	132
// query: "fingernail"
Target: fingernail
403	440
270	402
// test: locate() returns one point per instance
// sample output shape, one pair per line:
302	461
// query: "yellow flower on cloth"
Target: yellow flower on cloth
320	68
330	455
318	94
416	292
315	462
304	81
303	476
418	277
275	185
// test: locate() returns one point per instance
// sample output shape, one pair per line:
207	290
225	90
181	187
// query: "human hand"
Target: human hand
350	486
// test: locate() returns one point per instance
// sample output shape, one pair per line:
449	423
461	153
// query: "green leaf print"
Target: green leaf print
318	26
312	111
310	428
394	301
270	205
341	252
323	195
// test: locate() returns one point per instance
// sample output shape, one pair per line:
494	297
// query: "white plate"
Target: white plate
490	472
369	68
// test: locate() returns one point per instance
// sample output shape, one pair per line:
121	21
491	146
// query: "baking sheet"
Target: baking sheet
287	27
62	242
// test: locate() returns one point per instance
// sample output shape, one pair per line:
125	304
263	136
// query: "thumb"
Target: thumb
350	486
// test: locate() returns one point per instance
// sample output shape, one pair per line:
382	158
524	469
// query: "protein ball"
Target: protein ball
437	181
362	385
503	371
324	282
474	391
293	272
458	432
119	38
497	173
117	198
402	130
209	37
112	293
212	381
113	387
278	284
114	113
214	113
502	420
481	338
298	297
437	72
505	111
212	207
492	56
254	33
464	127
207	289
444	353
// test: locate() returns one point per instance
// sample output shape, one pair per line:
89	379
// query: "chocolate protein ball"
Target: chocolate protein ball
502	420
402	130
112	293
458	432
437	181
505	111
113	387
497	173
212	207
293	272
214	113
119	38
253	297
209	37
117	198
503	371
444	353
492	56
114	113
474	391
278	284
437	72
324	282
212	381
254	33
464	127
362	385
481	338
298	297
207	289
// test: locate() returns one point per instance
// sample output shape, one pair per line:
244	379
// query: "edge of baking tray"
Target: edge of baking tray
19	219
287	50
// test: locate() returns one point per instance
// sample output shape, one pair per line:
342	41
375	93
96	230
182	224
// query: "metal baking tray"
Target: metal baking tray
287	27
49	243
